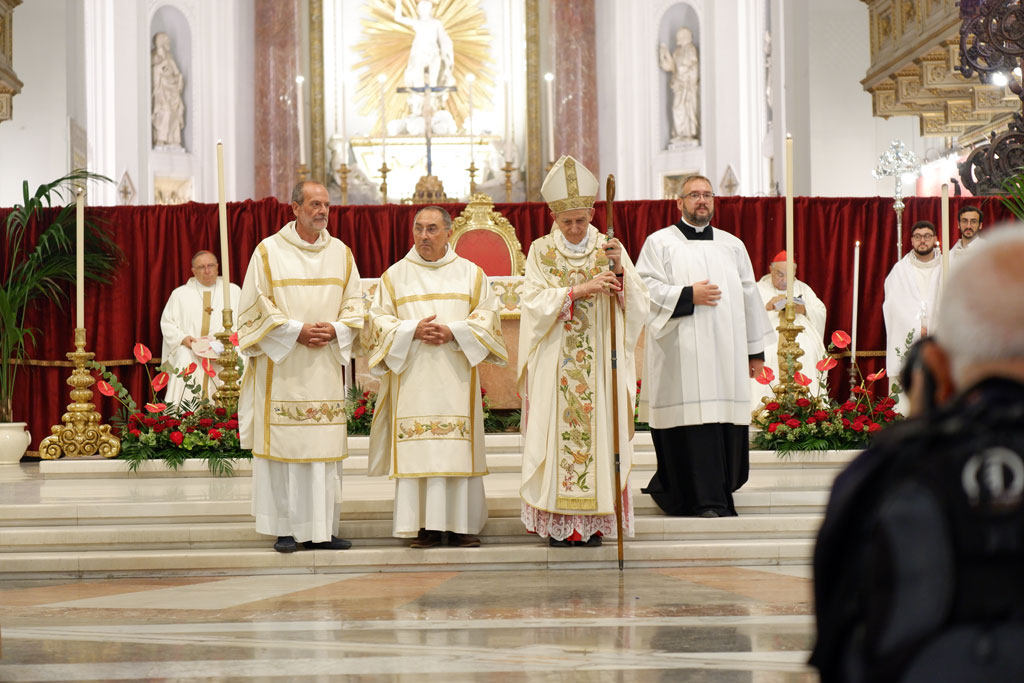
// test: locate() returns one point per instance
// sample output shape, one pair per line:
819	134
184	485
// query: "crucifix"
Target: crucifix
427	91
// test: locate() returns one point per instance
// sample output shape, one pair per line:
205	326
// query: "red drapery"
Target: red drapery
159	241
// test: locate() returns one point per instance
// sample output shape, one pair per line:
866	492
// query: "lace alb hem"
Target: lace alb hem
560	527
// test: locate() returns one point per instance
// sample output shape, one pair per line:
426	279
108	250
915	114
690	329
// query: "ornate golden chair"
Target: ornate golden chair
486	238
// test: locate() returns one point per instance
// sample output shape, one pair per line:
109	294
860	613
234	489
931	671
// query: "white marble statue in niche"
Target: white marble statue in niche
168	105
431	57
684	66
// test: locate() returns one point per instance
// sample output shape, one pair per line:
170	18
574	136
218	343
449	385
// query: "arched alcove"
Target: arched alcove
679	15
170	20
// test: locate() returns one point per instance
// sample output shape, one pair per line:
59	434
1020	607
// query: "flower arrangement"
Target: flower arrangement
195	429
817	422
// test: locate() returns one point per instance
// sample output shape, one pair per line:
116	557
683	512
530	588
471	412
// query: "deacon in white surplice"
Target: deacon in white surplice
433	320
706	334
911	296
301	314
568	298
810	315
194	312
971	222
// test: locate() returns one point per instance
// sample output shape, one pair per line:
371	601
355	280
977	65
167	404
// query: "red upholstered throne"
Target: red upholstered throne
486	238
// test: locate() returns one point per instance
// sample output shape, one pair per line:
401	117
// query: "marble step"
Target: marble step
178	536
504	454
531	554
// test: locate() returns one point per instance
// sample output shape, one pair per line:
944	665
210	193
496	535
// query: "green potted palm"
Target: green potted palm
39	271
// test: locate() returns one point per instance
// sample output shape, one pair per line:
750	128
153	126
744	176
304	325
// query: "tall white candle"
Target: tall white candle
508	120
856	299
470	78
80	258
789	218
225	262
300	92
945	233
382	79
549	79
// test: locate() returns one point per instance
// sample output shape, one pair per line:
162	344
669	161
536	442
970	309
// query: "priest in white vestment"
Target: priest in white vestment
571	292
433	320
192	315
970	220
911	297
706	334
301	314
810	315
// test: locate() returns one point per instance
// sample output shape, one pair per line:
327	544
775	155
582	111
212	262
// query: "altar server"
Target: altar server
433	320
568	486
706	334
192	316
301	313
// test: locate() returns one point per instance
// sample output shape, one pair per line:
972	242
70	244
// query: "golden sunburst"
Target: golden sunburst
385	47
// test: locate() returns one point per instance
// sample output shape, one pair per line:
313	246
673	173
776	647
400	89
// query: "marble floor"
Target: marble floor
709	624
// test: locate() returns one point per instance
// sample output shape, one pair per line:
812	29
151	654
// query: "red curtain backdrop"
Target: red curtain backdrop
159	241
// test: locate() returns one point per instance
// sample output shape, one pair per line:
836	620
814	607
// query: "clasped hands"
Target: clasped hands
316	335
430	332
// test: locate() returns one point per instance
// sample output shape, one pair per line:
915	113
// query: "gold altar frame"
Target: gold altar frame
533	163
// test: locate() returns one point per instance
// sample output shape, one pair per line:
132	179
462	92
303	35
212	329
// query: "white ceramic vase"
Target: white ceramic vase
14	440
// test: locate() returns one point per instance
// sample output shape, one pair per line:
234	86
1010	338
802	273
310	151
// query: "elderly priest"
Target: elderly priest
433	320
571	292
302	311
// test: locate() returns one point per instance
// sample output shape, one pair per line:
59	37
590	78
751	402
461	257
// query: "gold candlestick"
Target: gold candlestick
472	178
226	395
81	433
343	182
789	354
384	182
303	172
508	168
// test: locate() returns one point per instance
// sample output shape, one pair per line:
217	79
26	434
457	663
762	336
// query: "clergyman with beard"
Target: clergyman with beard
911	294
970	220
301	313
706	333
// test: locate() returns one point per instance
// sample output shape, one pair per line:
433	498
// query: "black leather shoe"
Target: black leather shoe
555	543
286	544
591	542
709	514
334	544
426	539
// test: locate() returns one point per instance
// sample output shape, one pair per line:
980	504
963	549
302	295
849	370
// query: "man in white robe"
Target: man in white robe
911	296
970	219
810	314
706	334
301	314
433	320
192	315
576	280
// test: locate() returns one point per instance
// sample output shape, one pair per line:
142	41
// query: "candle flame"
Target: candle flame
381	78
857	243
549	76
299	79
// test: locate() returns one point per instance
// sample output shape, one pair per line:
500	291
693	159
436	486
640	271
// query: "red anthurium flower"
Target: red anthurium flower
189	370
156	407
826	364
840	339
876	375
142	353
766	376
160	381
233	339
105	388
208	367
801	379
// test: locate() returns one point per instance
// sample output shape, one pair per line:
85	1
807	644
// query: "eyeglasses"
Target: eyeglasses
694	196
209	267
432	230
921	238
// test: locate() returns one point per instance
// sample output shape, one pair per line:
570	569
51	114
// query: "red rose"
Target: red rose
190	429
811	420
862	408
846	423
149	421
206	422
889	415
773	426
803	402
232	424
187	415
359	412
366	394
234	416
772	406
135	432
784	417
159	427
220	411
136	417
820	415
793	423
177	437
215	434
874	427
848	406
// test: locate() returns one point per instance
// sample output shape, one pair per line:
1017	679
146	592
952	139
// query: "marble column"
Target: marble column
573	47
276	56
